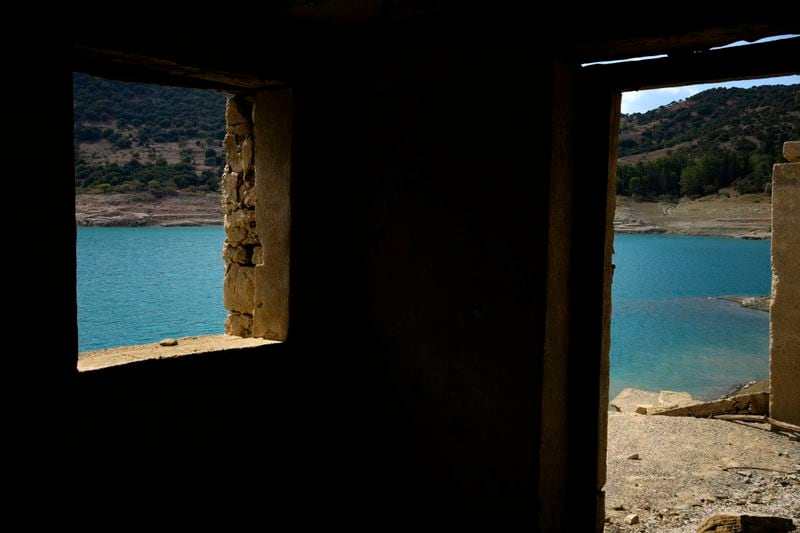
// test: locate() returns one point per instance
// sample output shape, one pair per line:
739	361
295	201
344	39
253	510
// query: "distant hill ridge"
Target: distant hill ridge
132	137
716	138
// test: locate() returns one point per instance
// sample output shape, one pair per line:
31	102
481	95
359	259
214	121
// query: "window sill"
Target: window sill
122	355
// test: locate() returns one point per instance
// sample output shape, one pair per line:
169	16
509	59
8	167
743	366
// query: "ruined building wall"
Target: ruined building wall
242	248
784	317
255	200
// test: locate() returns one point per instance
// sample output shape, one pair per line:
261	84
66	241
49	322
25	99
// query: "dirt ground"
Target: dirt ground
726	214
690	468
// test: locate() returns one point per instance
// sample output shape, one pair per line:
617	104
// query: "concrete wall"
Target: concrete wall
784	369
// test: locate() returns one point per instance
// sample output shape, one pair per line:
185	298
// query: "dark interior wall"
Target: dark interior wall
439	277
409	388
456	173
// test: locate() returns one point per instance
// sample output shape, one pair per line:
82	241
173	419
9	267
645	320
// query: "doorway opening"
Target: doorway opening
691	293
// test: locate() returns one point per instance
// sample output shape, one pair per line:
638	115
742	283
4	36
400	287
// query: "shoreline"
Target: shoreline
726	214
757	303
145	210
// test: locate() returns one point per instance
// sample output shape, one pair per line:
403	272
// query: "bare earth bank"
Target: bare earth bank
143	209
727	214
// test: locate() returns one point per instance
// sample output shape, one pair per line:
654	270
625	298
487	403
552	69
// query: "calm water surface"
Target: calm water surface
667	329
138	285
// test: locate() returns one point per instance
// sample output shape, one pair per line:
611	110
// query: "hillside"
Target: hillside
138	138
147	154
714	139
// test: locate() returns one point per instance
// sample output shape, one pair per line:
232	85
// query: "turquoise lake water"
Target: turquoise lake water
668	332
139	285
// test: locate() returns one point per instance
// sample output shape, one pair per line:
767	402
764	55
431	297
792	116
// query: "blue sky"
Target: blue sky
641	101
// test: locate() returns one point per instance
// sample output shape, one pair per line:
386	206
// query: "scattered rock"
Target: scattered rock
634	457
632	519
754	404
632	400
618	507
629	399
758	303
168	342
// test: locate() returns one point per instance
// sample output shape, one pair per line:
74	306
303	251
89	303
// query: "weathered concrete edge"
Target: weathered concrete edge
752	404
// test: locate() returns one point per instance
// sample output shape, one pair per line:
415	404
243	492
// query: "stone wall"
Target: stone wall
785	308
242	248
255	200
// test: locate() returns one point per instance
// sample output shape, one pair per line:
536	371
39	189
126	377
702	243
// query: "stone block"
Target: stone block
236	118
232	157
752	404
239	324
248	195
230	190
235	254
246	154
240	227
791	150
238	288
670	399
629	399
258	255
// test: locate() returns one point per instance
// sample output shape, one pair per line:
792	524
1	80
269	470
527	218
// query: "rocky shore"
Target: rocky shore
758	303
726	214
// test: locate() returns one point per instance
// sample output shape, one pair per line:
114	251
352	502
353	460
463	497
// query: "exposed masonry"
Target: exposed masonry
255	200
242	249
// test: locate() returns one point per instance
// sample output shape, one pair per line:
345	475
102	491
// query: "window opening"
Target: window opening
153	187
